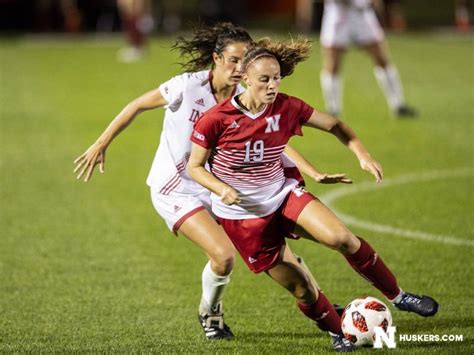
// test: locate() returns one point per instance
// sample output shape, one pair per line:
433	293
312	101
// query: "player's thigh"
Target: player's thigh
366	28
203	230
189	215
323	226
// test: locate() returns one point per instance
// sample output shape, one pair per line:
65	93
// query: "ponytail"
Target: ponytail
287	53
207	40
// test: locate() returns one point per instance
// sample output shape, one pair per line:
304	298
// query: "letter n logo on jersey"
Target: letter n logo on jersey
273	124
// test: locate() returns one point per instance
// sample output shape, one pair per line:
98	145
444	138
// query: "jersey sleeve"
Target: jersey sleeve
206	131
302	112
172	90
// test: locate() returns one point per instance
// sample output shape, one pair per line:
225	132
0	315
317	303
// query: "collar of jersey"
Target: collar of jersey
247	113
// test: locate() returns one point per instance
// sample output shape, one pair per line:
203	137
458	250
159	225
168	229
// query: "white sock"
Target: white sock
389	81
398	298
213	287
332	88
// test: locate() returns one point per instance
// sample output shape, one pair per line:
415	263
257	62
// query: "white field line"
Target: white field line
332	196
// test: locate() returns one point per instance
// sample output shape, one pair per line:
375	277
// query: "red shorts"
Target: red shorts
260	240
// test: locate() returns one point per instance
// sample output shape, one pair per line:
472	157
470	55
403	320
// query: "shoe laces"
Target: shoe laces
413	299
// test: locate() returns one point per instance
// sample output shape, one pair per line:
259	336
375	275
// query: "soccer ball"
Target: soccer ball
361	316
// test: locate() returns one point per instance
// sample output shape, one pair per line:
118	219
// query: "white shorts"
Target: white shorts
175	208
343	25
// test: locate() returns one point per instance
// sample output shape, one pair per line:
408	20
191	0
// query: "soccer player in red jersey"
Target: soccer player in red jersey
214	74
242	138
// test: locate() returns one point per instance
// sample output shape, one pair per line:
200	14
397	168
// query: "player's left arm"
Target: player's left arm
346	135
308	169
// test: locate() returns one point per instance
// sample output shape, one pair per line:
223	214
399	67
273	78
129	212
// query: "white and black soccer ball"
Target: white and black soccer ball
361	316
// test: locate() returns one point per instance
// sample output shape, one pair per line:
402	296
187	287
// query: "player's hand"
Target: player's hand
373	167
86	163
229	196
332	178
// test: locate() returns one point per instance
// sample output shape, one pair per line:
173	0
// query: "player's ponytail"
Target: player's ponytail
197	51
287	53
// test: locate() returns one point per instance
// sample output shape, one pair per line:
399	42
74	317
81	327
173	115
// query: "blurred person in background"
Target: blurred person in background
347	22
137	22
461	14
390	14
67	9
211	11
171	15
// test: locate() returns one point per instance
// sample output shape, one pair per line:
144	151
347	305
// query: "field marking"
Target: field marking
332	196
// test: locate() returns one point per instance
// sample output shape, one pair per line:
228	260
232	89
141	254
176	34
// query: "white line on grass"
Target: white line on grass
332	196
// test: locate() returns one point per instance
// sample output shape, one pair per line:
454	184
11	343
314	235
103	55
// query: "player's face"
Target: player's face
263	79
229	62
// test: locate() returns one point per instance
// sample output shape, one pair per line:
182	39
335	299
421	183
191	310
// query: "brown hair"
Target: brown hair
207	40
287	53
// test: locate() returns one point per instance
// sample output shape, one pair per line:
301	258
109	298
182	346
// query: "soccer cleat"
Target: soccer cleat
341	344
405	111
423	305
214	327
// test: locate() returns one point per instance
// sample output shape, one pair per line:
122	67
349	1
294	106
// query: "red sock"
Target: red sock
368	264
323	313
134	35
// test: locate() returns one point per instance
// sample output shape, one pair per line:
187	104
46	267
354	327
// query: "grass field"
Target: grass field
91	267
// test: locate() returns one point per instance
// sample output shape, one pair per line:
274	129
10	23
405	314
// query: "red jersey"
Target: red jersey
246	152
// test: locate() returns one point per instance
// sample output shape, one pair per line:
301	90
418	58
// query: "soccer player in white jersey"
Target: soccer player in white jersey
354	21
242	139
183	203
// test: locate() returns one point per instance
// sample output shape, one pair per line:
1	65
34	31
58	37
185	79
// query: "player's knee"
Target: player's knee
343	241
223	261
332	68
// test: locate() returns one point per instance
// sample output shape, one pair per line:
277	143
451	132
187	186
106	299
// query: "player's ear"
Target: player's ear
216	57
246	79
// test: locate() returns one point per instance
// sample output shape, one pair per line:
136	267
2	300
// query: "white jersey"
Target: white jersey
188	96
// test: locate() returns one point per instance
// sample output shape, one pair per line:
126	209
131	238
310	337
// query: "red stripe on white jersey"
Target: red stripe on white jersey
229	165
249	171
171	184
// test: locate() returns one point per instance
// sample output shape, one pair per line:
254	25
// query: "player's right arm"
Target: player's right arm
95	154
196	169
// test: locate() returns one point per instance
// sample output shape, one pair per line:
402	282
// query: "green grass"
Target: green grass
91	267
